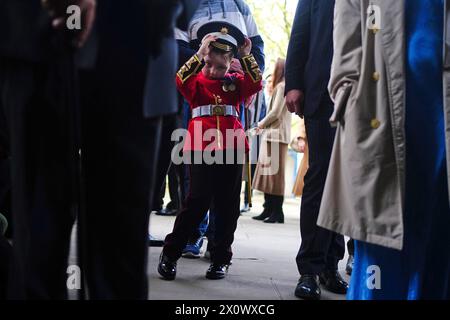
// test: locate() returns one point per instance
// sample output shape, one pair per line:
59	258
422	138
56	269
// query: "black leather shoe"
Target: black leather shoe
333	282
275	218
167	268
217	271
264	215
308	287
349	265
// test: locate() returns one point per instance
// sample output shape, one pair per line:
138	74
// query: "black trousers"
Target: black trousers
166	167
33	99
5	260
220	183
119	159
320	248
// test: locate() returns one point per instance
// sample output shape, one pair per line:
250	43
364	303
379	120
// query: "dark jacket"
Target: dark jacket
25	31
160	92
310	53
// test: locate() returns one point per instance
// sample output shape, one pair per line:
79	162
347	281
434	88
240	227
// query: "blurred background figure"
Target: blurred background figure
275	129
128	61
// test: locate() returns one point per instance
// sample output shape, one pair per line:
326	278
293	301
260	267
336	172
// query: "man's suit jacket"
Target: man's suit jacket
160	92
310	53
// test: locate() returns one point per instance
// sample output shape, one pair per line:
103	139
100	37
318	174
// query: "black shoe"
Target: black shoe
153	242
167	268
264	215
167	212
349	265
217	271
308	287
245	208
276	217
333	282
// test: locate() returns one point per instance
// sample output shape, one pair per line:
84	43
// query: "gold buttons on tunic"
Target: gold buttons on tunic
376	76
375	123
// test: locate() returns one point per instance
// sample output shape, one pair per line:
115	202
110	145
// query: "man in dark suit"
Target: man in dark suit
307	73
118	140
127	98
36	83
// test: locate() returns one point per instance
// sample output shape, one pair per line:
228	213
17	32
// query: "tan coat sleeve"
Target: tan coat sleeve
277	104
346	66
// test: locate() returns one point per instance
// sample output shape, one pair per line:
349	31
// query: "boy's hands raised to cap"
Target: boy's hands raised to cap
245	49
204	47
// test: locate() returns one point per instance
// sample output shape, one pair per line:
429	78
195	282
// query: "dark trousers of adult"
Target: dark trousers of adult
119	158
5	203
174	189
220	183
320	249
253	169
351	247
165	166
34	102
5	260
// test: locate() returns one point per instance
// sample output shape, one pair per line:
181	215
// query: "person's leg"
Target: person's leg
36	109
277	215
351	256
227	200
120	149
268	207
311	258
173	189
317	242
351	247
158	197
164	161
195	242
5	260
190	216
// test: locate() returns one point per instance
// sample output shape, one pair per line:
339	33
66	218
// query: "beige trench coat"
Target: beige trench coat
277	122
364	191
276	127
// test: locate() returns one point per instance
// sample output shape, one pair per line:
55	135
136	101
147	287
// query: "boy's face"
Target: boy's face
216	65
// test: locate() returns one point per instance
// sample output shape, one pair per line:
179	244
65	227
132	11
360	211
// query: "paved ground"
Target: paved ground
263	264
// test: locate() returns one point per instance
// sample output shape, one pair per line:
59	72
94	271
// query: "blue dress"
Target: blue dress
422	269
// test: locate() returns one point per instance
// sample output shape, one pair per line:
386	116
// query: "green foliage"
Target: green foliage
274	20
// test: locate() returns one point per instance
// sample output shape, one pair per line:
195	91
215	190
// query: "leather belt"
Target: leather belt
214	110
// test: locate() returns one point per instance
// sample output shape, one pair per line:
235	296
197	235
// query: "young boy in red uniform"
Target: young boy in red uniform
214	96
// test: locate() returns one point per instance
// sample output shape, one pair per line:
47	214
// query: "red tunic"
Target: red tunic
199	91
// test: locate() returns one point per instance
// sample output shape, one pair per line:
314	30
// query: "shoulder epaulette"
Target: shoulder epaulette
251	67
190	68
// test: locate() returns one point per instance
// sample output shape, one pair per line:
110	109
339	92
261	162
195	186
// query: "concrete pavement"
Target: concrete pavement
263	263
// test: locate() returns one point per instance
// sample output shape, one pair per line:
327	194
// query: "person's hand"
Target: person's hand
245	49
301	142
236	66
294	102
57	10
204	47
